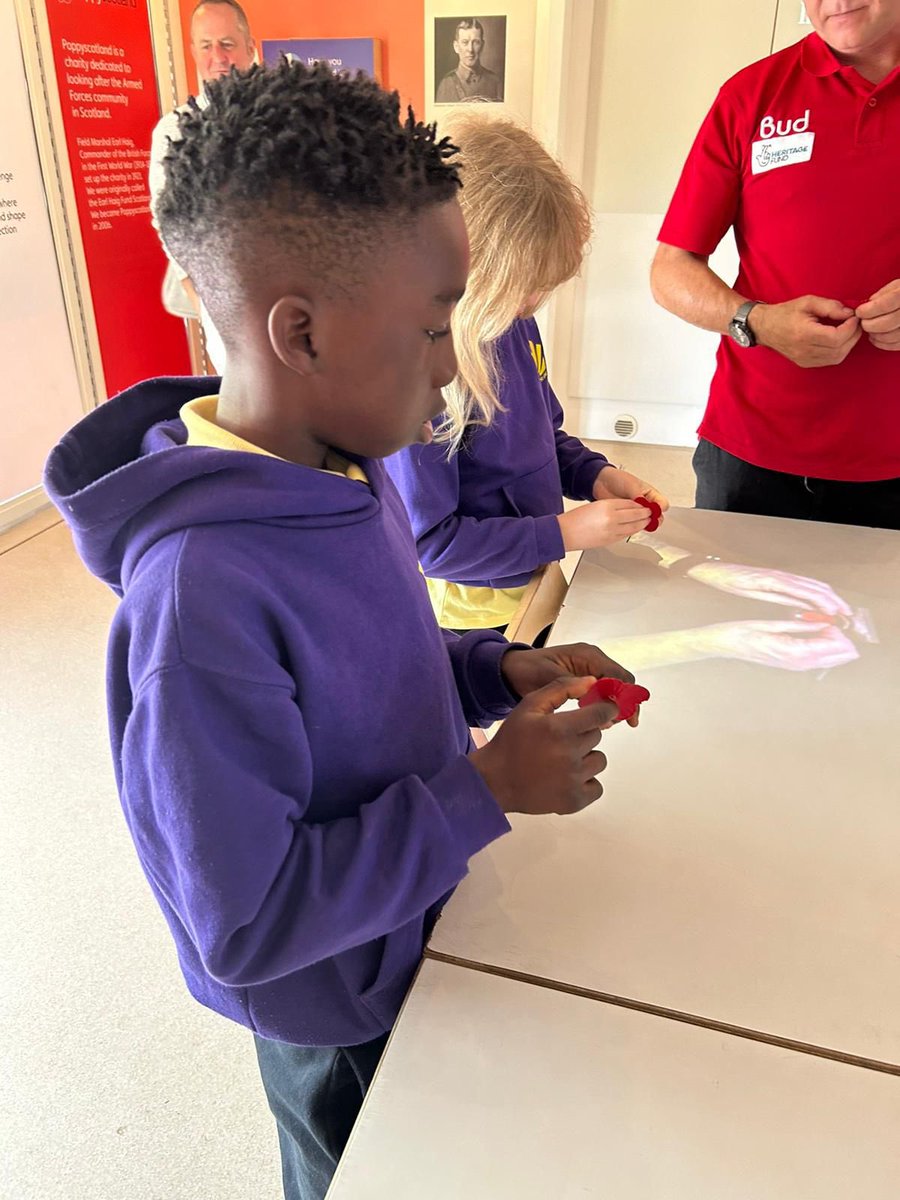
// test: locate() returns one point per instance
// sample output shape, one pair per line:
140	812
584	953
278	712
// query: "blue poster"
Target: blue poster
342	54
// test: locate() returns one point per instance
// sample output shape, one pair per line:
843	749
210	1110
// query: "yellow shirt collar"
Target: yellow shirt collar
199	417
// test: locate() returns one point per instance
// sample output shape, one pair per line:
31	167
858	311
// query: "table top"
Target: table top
501	1090
742	864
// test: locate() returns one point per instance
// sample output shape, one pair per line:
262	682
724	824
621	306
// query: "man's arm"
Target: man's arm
685	284
811	331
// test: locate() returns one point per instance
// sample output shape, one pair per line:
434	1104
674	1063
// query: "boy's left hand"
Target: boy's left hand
527	670
615	484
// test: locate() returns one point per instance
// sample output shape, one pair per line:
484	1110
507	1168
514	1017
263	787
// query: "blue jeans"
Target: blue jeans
315	1093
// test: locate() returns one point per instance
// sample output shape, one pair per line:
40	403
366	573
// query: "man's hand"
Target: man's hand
542	761
880	317
615	484
811	331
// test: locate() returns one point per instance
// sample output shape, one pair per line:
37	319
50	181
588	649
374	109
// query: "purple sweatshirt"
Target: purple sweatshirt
487	516
289	726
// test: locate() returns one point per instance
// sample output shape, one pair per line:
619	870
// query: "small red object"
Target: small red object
655	513
626	696
818	618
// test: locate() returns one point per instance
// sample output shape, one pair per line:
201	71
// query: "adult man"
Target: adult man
470	80
220	40
800	153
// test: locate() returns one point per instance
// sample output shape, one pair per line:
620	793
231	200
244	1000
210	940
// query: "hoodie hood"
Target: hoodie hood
123	477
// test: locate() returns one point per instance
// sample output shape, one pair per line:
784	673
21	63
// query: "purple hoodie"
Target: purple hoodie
487	516
289	726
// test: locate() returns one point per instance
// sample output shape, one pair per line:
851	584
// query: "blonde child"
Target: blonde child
485	497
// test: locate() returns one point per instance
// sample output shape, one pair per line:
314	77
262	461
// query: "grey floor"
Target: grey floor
114	1084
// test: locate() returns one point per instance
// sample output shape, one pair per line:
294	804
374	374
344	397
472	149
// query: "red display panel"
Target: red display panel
103	54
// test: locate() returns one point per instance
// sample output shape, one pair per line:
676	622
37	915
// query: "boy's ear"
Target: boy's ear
291	332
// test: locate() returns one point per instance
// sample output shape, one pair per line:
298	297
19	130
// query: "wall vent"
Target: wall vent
625	427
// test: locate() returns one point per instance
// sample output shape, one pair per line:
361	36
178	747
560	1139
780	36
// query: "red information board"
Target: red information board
103	53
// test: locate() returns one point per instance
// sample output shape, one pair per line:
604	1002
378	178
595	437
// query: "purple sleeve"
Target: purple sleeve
223	830
475	659
578	466
458	548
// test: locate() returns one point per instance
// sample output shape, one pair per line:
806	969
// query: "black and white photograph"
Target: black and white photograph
469	59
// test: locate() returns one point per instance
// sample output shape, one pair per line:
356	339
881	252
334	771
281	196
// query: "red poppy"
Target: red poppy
626	696
655	513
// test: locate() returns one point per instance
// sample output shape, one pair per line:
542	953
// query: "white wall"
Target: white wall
654	71
41	396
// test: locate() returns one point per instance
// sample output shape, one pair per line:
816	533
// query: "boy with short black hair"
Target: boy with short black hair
289	725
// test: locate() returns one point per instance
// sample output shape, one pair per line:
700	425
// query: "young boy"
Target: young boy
289	725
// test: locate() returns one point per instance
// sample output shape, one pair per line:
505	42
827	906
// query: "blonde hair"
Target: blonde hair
528	226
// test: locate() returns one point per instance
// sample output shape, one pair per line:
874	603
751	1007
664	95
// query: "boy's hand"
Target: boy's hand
524	671
542	761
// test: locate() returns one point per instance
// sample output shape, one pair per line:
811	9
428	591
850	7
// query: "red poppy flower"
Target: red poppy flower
655	513
626	696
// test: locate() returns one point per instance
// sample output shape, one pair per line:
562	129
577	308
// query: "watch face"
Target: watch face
738	331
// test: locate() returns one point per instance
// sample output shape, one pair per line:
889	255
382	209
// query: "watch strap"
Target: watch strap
744	311
740	318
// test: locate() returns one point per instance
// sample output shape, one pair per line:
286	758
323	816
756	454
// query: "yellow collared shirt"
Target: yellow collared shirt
199	417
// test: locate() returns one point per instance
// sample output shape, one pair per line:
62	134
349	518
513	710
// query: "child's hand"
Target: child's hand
527	670
602	523
542	761
615	484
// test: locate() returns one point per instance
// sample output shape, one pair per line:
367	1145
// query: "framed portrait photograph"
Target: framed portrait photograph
469	60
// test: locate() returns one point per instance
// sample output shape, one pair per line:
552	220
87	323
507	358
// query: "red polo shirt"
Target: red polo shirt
802	156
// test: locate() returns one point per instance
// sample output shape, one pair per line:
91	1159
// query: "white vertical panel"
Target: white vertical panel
631	357
41	396
655	71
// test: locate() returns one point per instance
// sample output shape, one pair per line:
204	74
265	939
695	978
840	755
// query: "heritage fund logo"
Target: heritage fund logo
783	143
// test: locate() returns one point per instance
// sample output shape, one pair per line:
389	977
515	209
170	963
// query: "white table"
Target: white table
744	864
497	1090
684	992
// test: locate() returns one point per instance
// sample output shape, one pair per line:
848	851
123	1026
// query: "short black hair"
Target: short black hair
294	159
243	23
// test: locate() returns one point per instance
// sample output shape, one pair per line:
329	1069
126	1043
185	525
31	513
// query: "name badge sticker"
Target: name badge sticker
781	152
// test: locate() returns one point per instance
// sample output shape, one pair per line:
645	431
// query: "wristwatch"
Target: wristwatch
739	327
